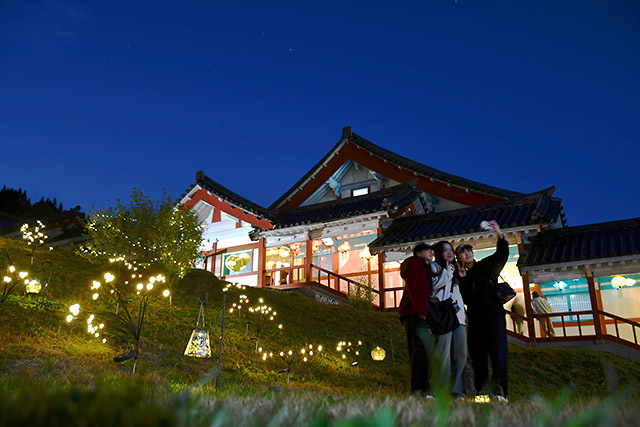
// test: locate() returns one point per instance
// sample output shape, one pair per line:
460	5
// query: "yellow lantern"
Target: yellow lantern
199	343
618	282
378	354
482	398
34	287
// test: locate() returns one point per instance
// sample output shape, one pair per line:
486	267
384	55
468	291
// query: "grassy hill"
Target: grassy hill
37	345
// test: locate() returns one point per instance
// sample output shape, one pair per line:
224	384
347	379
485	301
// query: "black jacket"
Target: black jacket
478	288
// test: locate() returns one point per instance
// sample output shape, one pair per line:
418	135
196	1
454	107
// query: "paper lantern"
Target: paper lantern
378	354
618	282
33	287
199	344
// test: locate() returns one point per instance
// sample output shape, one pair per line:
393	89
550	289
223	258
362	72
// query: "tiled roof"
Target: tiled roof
229	196
581	243
535	208
389	199
349	136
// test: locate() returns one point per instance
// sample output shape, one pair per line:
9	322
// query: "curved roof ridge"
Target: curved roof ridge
427	170
229	196
349	136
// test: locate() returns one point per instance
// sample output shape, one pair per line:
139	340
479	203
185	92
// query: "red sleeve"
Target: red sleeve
417	284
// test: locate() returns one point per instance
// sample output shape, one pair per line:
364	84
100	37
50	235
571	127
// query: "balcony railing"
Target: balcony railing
576	326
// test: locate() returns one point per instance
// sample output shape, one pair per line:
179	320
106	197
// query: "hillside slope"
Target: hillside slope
37	344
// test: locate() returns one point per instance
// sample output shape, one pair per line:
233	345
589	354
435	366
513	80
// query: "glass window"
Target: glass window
360	191
236	263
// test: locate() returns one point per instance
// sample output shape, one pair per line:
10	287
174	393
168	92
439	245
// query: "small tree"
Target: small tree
149	232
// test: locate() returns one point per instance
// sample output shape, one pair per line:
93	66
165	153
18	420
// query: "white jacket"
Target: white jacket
445	285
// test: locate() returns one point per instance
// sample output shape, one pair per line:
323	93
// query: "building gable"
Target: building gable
354	150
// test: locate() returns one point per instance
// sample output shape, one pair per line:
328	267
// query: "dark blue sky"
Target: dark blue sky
97	97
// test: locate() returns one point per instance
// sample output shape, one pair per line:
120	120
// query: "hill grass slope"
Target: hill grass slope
37	345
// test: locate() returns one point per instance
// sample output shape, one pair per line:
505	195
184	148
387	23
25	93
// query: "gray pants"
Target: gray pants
451	347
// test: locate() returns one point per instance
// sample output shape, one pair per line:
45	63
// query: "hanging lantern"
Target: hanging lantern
33	287
378	354
560	285
366	254
344	247
199	343
618	282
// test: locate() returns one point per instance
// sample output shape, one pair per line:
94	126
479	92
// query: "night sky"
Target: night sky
97	97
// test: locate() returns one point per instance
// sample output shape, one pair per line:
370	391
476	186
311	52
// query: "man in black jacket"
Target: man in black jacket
487	329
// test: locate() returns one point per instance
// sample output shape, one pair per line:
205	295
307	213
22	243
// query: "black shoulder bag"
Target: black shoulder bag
442	317
504	292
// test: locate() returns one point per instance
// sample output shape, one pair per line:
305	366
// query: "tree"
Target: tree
151	233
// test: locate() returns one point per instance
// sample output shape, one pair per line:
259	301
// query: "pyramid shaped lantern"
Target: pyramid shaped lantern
199	344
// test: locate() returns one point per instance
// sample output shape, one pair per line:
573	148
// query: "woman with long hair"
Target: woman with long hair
451	346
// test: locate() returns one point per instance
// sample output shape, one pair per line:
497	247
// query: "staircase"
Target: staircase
321	285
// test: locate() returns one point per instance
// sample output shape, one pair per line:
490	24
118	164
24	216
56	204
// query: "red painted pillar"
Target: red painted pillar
596	305
381	291
262	256
307	261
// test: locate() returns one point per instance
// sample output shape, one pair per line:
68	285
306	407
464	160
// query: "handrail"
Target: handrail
622	319
580	324
337	279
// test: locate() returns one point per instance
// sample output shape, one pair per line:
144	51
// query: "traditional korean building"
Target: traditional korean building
357	213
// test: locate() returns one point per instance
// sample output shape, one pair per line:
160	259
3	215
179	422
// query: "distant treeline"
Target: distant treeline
16	203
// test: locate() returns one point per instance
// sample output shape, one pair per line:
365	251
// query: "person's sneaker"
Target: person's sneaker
428	397
502	399
460	397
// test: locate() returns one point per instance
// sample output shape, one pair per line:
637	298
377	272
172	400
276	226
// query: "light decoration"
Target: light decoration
482	398
35	236
131	305
261	314
560	285
378	354
33	286
292	357
295	248
11	280
233	286
344	247
366	254
621	281
236	307
350	352
199	344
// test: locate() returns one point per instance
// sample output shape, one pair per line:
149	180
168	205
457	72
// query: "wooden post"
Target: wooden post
307	261
596	305
531	327
526	289
262	257
381	291
214	249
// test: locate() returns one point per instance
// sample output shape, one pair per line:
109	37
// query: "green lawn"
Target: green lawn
45	360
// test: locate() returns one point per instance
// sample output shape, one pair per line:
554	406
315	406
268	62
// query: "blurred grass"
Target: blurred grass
38	347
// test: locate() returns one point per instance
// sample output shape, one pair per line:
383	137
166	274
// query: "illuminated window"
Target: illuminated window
360	191
236	263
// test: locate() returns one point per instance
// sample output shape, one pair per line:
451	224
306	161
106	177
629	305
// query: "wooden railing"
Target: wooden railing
583	328
284	276
327	278
337	282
